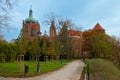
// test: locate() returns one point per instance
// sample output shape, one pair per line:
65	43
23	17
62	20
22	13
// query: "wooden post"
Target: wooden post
20	61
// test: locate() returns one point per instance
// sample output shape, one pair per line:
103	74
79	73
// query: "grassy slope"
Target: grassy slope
12	68
104	69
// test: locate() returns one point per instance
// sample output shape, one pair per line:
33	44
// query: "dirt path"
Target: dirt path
72	71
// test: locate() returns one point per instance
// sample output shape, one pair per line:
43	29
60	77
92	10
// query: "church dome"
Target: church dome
30	18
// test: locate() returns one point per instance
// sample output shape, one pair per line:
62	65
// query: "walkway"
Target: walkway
72	71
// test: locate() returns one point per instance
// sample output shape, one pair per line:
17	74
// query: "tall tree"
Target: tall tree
5	7
22	43
3	50
96	44
51	49
44	47
115	49
64	37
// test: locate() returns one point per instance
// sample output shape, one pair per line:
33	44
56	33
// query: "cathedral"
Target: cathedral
31	28
31	31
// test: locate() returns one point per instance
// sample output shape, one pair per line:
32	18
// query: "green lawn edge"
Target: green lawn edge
11	69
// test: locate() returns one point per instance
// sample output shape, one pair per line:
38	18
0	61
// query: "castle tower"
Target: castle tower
31	27
52	30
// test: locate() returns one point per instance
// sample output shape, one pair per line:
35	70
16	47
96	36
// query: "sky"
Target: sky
83	13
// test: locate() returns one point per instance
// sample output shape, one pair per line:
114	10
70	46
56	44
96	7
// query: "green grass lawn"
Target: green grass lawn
13	68
103	69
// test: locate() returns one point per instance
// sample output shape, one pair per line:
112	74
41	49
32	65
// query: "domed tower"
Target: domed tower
52	30
31	27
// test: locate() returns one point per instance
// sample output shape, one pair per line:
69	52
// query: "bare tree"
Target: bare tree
65	23
50	18
63	41
5	7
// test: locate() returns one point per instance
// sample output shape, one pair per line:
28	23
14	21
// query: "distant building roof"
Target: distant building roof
98	27
74	33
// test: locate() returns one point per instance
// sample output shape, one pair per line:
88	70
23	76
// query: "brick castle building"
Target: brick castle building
31	30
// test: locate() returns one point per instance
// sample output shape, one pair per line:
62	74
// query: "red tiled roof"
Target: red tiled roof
45	36
98	27
74	33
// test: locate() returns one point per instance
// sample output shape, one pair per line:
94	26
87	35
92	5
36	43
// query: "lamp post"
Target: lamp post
38	64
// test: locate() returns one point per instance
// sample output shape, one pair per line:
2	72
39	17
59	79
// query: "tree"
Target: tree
33	49
51	49
5	7
44	47
3	50
97	44
64	43
115	49
64	38
22	44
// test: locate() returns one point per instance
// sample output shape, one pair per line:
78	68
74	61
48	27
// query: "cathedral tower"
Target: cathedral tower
52	30
31	27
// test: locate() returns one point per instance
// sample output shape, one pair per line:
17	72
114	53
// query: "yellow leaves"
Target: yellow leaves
96	43
51	49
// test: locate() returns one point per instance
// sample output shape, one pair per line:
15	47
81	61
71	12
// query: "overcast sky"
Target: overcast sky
84	13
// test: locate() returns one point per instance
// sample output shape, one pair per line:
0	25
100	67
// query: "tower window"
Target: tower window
33	32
